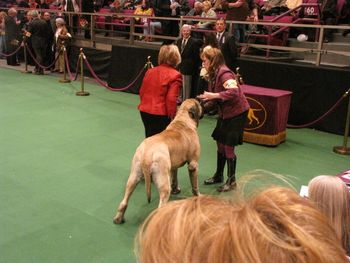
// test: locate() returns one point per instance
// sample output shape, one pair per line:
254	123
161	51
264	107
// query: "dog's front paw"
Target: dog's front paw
118	219
175	190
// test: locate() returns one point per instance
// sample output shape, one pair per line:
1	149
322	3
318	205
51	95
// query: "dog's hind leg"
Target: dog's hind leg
193	173
133	180
175	189
161	178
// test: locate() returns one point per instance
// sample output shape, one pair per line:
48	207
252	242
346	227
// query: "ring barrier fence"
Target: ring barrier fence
36	61
142	71
14	52
323	116
67	68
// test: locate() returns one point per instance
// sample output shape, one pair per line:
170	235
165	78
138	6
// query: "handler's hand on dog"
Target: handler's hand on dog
208	96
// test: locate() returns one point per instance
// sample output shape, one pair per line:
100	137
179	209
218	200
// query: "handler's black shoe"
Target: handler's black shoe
216	179
227	187
175	190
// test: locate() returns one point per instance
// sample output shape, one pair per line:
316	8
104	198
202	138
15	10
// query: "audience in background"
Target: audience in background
208	12
227	44
275	225
195	11
274	7
159	90
62	38
38	31
190	61
146	10
49	54
331	196
237	10
2	34
12	36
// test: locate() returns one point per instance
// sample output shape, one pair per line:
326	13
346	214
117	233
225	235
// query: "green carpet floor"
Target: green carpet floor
64	161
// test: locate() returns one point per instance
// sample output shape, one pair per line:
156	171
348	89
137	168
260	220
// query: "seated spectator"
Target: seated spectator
145	9
331	196
115	7
237	10
217	5
22	3
208	12
195	11
274	7
33	4
43	5
275	225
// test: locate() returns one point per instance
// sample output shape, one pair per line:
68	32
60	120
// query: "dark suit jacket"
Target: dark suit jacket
11	30
227	44
190	59
40	32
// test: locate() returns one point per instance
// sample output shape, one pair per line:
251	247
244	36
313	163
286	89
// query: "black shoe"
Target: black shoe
345	32
175	190
227	187
216	179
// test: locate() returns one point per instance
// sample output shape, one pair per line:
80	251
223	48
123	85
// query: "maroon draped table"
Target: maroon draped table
268	115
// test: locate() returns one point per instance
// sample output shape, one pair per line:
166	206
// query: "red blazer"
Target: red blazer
159	91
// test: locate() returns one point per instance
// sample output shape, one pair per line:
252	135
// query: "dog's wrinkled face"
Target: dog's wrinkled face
194	109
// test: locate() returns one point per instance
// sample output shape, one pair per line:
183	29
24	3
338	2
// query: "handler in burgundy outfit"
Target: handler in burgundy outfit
224	93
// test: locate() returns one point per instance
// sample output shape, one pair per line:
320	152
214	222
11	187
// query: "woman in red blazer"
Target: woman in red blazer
159	91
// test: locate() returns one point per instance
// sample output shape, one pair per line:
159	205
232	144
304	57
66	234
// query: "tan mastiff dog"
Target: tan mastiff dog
159	156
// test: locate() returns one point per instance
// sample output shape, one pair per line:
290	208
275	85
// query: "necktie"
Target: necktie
183	44
218	37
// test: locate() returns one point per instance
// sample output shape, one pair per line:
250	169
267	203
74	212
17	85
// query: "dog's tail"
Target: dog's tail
147	175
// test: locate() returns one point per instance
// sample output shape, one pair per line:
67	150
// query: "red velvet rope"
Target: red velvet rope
323	115
68	68
14	52
104	84
36	62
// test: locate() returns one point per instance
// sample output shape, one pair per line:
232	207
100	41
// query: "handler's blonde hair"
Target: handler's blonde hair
276	225
331	195
170	55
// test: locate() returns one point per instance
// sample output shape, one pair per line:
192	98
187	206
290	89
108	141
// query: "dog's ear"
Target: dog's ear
195	112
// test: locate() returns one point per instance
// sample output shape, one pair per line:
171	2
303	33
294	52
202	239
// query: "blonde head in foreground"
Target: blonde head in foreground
276	225
331	196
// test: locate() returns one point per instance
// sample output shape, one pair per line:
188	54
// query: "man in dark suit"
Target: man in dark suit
227	44
12	36
50	54
38	31
190	60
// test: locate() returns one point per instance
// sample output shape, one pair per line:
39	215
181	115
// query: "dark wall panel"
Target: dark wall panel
315	90
126	64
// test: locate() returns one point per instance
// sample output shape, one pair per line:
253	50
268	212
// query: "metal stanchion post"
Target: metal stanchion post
82	92
64	80
25	59
149	63
344	149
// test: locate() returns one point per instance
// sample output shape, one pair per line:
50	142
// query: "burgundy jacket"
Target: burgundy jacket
159	91
232	101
